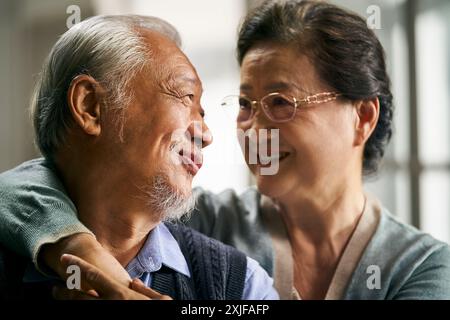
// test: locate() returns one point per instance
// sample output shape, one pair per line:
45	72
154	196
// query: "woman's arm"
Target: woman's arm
39	221
87	248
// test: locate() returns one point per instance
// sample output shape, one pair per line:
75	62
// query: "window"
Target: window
433	101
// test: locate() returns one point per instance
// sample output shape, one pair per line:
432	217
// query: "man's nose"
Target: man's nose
207	137
200	134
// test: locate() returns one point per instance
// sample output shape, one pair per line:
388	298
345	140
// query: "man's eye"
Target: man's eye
186	98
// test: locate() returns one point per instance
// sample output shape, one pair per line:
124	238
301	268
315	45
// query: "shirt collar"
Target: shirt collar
159	249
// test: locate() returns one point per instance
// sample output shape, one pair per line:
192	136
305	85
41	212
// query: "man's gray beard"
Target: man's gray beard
167	201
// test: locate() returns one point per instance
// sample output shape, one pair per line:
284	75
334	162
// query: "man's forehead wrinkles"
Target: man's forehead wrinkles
178	77
176	71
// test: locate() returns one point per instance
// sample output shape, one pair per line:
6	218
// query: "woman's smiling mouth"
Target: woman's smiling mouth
265	161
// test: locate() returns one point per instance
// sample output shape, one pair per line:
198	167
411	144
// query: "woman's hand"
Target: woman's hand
86	247
102	286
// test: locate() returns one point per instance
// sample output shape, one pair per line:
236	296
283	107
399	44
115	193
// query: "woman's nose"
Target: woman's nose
260	120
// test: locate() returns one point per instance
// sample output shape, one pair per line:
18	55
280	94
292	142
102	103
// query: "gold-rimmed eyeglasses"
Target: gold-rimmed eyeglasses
276	106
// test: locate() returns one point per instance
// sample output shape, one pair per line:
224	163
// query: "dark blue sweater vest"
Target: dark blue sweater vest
217	270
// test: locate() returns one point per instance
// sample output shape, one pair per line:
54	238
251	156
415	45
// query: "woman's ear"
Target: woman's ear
84	100
367	113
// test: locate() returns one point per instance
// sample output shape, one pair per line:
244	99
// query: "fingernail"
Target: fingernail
67	259
67	256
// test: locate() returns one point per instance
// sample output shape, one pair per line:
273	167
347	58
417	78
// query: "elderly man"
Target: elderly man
118	119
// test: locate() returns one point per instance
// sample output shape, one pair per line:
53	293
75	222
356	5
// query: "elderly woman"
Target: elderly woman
317	74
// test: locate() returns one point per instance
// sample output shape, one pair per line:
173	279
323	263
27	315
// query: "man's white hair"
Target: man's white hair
108	48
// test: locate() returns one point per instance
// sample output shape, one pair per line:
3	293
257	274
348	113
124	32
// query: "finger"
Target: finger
66	262
106	287
140	287
95	278
61	293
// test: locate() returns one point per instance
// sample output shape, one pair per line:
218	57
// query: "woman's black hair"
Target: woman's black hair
346	53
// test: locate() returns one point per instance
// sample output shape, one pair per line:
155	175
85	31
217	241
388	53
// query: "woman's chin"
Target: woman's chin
271	186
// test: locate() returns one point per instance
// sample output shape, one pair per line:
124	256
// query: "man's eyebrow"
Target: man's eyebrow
189	79
175	78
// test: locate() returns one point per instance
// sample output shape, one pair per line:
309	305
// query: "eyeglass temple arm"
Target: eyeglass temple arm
326	96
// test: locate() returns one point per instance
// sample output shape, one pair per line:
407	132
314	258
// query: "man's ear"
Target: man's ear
367	113
84	99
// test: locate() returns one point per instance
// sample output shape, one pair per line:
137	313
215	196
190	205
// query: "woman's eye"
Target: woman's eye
279	101
244	104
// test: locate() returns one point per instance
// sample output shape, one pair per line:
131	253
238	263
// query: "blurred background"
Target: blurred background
414	183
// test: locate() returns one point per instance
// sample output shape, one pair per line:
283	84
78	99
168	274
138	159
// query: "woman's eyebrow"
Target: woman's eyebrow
281	85
245	87
275	86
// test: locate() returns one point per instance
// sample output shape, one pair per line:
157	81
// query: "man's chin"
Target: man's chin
171	198
169	192
182	211
183	184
